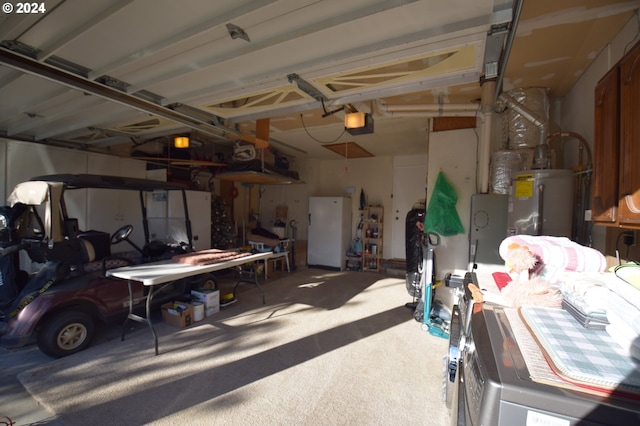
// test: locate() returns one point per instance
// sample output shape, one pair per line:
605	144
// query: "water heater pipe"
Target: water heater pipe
445	108
485	118
431	114
526	113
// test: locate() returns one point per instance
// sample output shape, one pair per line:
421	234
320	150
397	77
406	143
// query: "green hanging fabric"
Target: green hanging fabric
442	217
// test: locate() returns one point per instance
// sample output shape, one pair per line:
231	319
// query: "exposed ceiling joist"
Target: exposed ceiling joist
53	46
33	67
174	69
208	24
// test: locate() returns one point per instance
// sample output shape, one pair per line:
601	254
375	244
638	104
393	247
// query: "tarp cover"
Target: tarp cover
442	217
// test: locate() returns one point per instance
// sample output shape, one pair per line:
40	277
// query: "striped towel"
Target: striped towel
558	254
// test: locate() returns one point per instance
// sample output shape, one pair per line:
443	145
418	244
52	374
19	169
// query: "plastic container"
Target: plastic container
198	311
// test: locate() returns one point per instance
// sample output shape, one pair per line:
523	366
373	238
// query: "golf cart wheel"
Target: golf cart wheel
207	281
66	333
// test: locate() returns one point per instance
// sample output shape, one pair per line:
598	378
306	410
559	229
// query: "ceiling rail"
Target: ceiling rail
507	49
39	69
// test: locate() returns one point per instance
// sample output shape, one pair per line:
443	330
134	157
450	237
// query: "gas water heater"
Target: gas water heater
541	202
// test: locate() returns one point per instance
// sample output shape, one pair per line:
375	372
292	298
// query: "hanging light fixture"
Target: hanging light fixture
181	142
354	120
358	123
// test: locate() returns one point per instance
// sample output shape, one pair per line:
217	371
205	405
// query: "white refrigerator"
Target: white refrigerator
329	232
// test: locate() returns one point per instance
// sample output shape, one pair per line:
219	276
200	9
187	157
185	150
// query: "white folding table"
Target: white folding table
159	274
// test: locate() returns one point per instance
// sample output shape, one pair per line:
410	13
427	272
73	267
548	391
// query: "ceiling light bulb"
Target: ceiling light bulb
354	120
181	142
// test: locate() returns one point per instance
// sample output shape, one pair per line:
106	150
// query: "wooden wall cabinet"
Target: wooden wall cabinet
616	176
629	207
606	158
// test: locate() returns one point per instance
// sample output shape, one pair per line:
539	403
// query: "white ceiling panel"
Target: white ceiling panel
94	73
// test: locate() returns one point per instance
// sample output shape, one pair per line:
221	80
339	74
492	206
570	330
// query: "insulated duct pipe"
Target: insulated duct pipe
430	107
490	91
485	118
426	110
525	112
542	149
432	114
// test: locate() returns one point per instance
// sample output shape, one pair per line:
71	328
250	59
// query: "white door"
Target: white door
409	183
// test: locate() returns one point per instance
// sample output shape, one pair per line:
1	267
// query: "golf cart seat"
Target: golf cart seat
99	258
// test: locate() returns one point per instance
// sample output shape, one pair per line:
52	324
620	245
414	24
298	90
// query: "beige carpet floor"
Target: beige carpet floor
328	348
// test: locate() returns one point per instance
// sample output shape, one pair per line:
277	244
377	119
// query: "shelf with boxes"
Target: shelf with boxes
372	238
354	261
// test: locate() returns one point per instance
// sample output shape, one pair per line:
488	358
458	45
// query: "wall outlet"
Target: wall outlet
630	238
587	215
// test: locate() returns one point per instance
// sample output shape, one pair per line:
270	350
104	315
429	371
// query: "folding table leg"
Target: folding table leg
253	275
138	318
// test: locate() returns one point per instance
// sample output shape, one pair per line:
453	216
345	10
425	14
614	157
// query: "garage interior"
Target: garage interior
114	87
427	77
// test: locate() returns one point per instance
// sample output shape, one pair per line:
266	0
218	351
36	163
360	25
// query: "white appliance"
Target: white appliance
541	203
329	233
487	229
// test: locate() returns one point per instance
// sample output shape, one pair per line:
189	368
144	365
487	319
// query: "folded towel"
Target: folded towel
622	312
624	323
558	254
625	331
585	291
630	347
622	289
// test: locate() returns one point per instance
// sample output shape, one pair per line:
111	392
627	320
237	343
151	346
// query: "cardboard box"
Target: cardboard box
180	317
210	298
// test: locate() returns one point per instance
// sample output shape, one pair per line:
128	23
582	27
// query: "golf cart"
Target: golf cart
53	286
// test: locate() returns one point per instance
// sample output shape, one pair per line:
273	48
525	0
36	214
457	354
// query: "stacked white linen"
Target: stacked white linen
619	300
623	313
584	292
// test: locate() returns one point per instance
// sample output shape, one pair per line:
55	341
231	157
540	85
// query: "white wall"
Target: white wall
452	152
27	160
374	175
577	110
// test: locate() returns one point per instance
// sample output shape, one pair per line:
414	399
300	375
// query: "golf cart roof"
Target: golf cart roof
80	181
49	190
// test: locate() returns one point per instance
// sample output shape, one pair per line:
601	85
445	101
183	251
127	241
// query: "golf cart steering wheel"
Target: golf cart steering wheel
121	234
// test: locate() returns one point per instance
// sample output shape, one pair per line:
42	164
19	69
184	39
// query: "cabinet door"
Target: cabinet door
199	205
109	210
629	210
606	148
